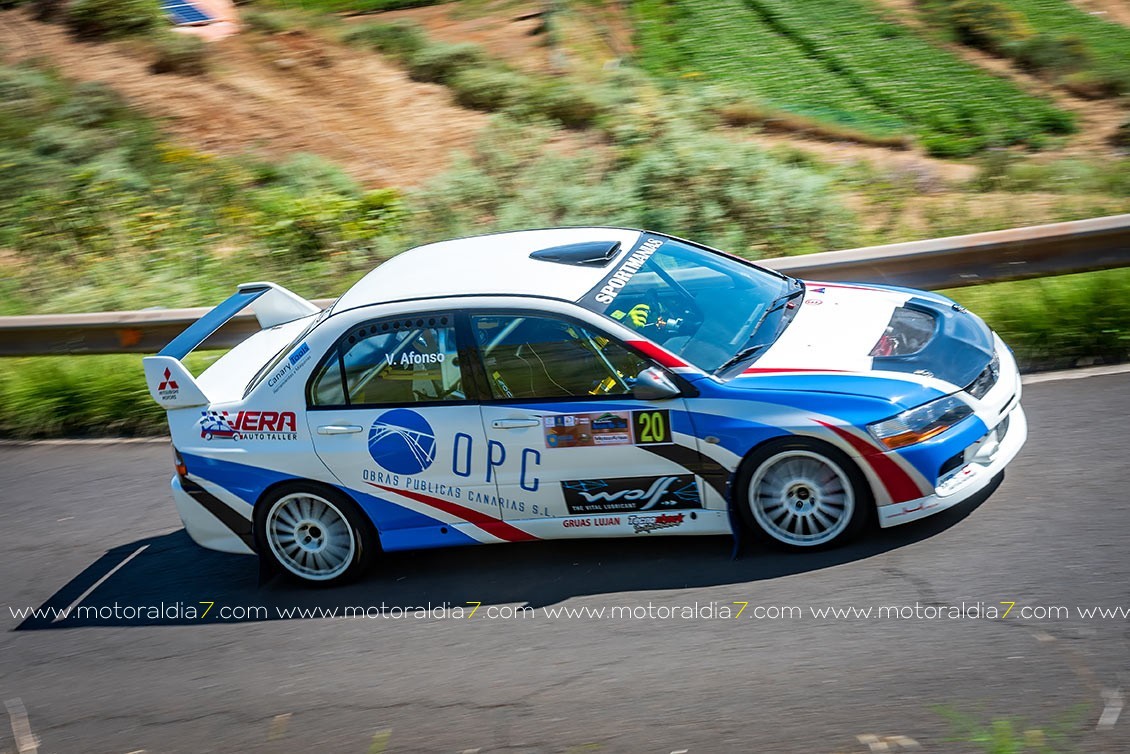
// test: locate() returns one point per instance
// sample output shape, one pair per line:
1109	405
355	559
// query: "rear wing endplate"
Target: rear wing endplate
172	385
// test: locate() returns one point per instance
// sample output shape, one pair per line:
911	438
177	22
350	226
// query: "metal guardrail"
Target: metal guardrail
1016	254
998	256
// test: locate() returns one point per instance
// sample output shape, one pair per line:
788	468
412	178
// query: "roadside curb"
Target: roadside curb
1073	374
94	441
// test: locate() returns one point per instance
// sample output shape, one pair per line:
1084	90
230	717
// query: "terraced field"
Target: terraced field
841	61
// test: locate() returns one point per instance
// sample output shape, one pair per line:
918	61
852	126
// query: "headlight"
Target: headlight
921	423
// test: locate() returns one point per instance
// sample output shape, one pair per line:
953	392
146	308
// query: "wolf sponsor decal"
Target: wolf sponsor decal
629	494
648	524
248	425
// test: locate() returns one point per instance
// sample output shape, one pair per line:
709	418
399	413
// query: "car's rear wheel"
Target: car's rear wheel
315	534
803	494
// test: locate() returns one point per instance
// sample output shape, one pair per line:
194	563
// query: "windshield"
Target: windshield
703	305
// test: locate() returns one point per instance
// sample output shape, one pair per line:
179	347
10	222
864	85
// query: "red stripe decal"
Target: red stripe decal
500	529
898	483
655	353
843	285
774	370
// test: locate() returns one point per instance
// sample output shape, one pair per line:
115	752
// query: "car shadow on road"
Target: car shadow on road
168	580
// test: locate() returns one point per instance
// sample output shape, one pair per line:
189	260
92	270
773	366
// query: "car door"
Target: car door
568	444
391	419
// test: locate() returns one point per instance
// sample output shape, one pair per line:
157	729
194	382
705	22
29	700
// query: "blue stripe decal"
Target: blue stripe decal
199	330
400	528
927	457
404	529
246	482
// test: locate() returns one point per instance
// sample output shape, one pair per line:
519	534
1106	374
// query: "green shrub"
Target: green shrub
489	88
439	63
94	19
303	173
988	24
674	179
180	53
401	39
565	102
91	104
1051	53
264	21
1121	137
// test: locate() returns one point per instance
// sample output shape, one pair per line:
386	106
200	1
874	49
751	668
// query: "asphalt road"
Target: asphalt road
1053	535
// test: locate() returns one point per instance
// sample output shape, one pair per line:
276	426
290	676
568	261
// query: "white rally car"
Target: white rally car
582	382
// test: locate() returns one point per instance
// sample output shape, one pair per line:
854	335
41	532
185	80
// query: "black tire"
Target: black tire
314	534
810	495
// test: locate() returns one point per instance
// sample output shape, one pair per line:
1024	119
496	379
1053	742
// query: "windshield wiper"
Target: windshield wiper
740	356
785	299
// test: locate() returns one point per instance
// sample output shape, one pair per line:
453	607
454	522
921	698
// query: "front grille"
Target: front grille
950	465
985	381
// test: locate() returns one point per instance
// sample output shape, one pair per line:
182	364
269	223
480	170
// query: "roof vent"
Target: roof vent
587	254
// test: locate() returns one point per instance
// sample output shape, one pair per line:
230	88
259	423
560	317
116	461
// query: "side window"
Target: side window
404	360
539	357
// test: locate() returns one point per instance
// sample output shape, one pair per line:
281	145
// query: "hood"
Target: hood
861	328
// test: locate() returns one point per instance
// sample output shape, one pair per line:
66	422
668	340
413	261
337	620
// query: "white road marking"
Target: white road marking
874	743
278	726
26	742
1074	374
380	741
97	584
877	744
1112	709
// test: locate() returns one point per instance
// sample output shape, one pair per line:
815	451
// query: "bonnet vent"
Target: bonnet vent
587	254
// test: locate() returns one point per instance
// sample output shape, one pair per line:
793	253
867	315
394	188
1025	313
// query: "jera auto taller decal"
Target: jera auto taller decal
248	425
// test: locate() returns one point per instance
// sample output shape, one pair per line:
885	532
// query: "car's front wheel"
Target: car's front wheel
315	534
803	494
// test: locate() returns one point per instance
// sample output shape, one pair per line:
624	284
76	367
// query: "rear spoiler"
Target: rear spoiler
171	384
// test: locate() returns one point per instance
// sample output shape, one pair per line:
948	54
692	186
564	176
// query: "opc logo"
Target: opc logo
402	441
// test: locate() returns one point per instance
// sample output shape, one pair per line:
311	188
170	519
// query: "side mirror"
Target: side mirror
653	384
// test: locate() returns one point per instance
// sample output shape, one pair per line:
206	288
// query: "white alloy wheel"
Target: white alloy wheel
310	536
801	498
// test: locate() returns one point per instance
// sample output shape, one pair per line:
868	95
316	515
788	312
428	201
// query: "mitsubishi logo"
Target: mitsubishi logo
168	382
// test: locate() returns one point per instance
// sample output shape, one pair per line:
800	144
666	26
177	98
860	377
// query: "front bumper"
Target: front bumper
984	460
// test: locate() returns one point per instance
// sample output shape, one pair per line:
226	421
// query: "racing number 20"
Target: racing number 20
652	427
